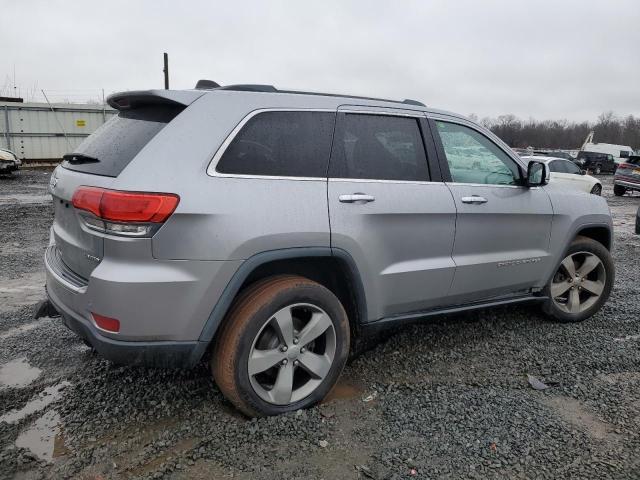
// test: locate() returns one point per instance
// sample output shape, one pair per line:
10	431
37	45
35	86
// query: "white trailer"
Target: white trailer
41	132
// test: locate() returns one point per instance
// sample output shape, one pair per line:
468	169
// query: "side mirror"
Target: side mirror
537	174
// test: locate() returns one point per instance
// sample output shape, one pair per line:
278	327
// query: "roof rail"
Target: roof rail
211	85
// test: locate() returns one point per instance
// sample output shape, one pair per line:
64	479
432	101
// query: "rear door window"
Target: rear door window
113	145
287	143
380	147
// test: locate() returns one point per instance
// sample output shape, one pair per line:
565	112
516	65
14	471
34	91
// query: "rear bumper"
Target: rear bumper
162	306
151	354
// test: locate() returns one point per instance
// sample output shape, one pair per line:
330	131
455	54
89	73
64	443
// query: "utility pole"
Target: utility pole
166	71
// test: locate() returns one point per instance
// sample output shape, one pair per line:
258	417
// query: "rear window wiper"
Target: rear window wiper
77	158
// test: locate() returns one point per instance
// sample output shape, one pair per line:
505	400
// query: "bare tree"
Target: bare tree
564	134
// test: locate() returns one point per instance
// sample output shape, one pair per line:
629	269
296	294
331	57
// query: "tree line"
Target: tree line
563	134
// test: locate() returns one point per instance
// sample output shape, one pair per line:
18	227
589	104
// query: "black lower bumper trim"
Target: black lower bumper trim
160	354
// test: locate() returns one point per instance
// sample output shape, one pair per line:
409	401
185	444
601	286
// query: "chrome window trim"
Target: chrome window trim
375	180
213	164
490	185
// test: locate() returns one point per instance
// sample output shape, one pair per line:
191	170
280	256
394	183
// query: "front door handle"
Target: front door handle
474	199
356	198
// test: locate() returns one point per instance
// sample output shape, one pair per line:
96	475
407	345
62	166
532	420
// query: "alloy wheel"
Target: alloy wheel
292	354
579	282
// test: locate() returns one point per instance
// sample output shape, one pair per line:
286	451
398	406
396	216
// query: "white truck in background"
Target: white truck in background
620	152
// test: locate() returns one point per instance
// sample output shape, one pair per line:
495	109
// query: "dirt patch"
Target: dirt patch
575	413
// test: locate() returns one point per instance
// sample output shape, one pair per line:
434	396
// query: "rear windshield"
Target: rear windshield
112	146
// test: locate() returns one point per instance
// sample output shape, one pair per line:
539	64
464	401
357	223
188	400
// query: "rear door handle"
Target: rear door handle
474	199
356	198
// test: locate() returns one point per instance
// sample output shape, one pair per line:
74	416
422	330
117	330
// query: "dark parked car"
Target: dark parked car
638	221
627	176
596	162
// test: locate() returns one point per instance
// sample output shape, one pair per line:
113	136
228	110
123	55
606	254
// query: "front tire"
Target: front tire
597	189
619	190
282	347
582	282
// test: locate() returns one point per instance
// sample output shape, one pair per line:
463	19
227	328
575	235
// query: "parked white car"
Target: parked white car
564	173
9	161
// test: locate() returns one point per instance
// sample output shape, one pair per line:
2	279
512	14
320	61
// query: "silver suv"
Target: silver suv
267	231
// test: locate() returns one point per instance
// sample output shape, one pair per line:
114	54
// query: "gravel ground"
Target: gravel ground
445	399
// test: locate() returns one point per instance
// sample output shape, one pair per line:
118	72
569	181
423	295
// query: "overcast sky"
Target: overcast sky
545	59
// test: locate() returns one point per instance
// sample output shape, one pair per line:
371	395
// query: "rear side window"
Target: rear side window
112	146
287	144
572	168
380	147
556	166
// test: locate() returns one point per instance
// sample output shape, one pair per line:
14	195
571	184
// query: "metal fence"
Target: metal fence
39	132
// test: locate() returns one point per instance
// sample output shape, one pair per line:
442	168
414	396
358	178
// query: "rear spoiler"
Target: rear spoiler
138	98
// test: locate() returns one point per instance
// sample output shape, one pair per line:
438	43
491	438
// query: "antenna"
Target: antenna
166	71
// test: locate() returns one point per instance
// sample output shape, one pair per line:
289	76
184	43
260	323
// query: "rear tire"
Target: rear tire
619	190
598	170
597	189
582	282
269	357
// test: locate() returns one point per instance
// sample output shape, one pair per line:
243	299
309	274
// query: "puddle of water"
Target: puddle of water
43	437
12	332
18	292
44	398
18	373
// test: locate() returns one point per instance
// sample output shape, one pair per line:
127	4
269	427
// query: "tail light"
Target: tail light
106	323
625	165
134	214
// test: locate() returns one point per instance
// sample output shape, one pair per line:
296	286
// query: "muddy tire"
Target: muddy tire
619	190
582	282
281	347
